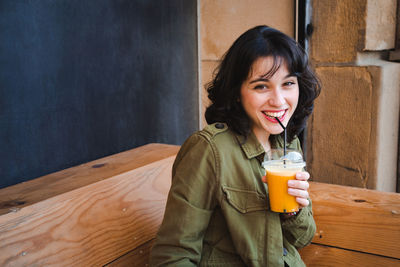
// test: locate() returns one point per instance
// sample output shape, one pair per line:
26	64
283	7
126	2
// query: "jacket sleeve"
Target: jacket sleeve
189	206
300	230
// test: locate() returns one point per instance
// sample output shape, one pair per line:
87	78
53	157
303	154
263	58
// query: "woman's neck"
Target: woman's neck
263	138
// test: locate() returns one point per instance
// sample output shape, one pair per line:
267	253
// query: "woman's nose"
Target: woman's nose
277	99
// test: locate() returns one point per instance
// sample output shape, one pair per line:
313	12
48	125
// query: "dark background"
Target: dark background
83	79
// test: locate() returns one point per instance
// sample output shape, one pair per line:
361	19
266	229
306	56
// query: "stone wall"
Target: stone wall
353	134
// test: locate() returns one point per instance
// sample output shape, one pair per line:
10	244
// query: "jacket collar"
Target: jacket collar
251	147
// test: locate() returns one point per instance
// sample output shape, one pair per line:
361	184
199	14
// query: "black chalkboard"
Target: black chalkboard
83	79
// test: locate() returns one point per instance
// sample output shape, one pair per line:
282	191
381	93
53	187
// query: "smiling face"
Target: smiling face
265	97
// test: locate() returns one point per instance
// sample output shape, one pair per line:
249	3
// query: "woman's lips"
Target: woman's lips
276	114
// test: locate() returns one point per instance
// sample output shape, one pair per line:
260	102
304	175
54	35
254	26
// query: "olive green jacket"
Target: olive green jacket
217	209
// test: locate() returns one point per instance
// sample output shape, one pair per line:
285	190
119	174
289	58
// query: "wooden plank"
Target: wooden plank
21	195
357	219
137	257
322	256
91	225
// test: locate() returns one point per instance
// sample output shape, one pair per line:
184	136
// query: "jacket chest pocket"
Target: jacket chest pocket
245	201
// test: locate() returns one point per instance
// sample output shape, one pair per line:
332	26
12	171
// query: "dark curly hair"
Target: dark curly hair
224	89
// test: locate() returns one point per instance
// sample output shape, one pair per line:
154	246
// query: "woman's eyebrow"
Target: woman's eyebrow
262	79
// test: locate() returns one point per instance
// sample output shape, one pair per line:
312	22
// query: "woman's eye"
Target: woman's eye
260	87
288	83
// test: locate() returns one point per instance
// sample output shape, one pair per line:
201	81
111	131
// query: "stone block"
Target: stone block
352	139
388	126
341	129
338	30
380	30
343	28
223	21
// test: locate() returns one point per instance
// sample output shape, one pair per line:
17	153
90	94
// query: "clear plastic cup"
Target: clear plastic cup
280	169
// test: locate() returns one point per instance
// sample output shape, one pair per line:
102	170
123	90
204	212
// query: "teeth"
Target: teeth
275	114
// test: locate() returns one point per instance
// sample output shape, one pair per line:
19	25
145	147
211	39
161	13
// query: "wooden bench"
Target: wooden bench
355	227
107	212
104	212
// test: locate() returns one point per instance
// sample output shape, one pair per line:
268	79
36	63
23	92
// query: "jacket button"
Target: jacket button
219	126
284	251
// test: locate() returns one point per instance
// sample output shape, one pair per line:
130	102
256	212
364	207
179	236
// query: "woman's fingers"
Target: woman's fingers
302	201
297	184
298	193
299	187
301	196
304	176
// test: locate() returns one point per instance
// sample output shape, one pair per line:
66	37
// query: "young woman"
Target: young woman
217	210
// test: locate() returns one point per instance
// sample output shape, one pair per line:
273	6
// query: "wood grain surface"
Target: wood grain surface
321	256
137	257
358	219
15	197
108	212
91	225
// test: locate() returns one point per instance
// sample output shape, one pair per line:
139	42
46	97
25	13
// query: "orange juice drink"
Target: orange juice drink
278	173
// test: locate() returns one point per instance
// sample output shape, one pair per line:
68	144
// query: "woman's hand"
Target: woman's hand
299	188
